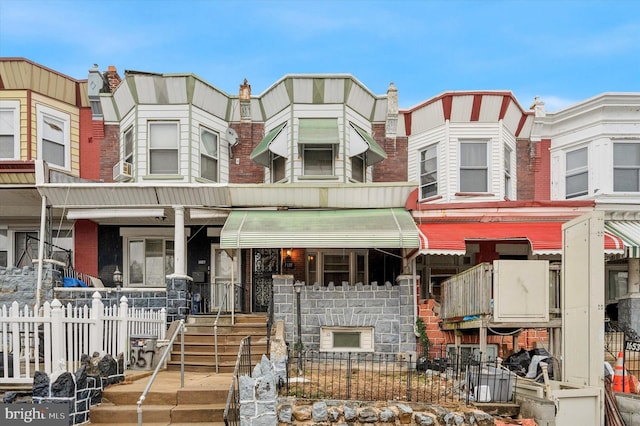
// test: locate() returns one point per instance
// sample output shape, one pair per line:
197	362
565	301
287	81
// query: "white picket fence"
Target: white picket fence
55	338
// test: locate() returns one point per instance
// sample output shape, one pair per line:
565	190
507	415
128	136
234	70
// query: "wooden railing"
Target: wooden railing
468	293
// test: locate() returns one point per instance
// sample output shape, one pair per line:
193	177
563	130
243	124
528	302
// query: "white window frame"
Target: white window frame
137	234
485	167
128	136
318	260
423	174
577	171
205	155
508	175
175	147
14	108
625	167
42	113
327	336
360	166
274	158
320	147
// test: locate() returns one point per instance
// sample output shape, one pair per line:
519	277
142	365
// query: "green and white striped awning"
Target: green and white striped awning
356	228
261	152
318	131
629	232
374	152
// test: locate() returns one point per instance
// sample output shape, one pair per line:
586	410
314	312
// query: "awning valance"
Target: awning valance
544	237
629	232
318	131
374	152
354	228
261	152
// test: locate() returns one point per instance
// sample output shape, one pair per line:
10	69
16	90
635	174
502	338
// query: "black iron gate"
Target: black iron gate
266	262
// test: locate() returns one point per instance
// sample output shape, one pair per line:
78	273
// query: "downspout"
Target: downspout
43	214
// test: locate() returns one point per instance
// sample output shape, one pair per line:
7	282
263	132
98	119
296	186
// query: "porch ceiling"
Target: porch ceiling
544	237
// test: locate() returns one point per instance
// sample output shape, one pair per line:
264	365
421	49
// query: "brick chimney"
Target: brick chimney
113	78
245	102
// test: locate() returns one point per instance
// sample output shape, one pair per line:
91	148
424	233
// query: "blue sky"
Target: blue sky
562	51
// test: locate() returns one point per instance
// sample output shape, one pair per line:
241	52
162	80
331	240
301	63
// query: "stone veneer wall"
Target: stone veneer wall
19	284
388	309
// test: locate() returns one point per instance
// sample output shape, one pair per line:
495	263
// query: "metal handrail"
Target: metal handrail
215	328
244	354
167	350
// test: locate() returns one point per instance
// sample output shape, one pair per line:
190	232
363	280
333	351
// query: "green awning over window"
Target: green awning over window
318	131
375	153
356	228
629	232
261	152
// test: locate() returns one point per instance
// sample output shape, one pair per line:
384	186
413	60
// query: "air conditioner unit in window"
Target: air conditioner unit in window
122	171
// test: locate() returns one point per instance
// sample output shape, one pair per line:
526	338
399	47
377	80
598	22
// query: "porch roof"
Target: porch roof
351	228
629	232
544	237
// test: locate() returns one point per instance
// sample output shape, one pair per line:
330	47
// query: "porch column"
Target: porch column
179	245
633	279
629	305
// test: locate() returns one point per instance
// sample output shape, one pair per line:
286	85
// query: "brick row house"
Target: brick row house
316	189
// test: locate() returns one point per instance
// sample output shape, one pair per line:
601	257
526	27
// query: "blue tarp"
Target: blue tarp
73	282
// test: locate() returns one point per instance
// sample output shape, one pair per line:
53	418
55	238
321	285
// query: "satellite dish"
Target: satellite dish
232	137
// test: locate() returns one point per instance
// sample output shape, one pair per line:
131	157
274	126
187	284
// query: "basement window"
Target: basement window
346	339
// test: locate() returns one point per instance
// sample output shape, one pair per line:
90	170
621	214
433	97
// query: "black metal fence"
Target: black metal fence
243	367
386	377
622	351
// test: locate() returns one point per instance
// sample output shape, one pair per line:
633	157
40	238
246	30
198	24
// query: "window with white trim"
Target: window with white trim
429	171
626	167
128	145
208	154
317	160
474	168
4	248
346	339
150	261
358	168
577	173
339	267
507	171
9	130
278	170
163	148
54	142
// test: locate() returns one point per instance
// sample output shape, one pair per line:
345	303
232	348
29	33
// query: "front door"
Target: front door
222	271
266	262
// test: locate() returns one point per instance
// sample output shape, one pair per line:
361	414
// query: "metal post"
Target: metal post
298	287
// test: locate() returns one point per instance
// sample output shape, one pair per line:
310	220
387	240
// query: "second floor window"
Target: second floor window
507	172
278	172
474	170
128	145
9	130
626	167
317	160
429	172
358	168
208	155
53	137
163	148
577	178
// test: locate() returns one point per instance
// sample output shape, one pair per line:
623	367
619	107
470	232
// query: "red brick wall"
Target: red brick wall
543	170
90	138
394	168
526	171
86	246
110	151
241	168
528	339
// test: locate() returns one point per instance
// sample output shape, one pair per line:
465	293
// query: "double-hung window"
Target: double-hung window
9	130
474	169
208	154
53	137
163	147
150	261
626	167
358	168
318	139
278	171
507	171
577	173
429	172
128	145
